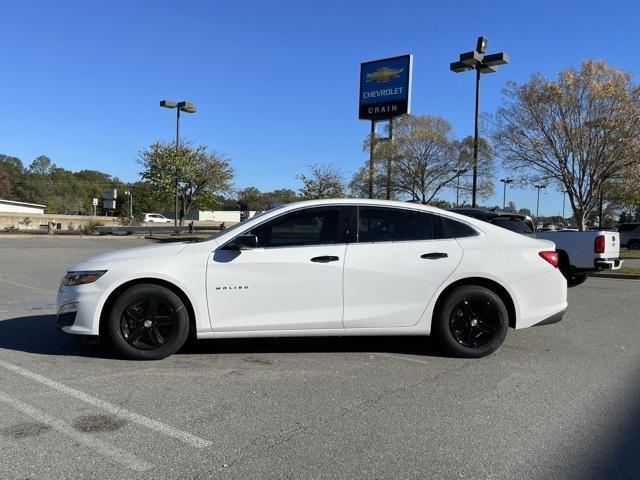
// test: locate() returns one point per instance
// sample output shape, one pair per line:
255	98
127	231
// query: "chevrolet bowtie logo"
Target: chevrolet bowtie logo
384	74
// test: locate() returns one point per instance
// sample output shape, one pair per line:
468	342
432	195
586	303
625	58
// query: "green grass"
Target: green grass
624	253
624	269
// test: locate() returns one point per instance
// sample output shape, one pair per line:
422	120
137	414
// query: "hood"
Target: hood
104	260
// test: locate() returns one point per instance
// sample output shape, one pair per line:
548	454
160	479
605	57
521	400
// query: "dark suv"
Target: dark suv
515	222
630	235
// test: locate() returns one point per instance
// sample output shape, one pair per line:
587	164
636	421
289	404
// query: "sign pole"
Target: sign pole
385	93
389	159
372	140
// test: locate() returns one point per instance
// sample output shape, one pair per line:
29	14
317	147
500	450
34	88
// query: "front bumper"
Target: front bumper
608	263
76	309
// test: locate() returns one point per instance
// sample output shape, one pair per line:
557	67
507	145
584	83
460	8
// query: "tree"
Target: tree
253	198
42	165
359	183
5	184
200	176
577	131
424	151
322	181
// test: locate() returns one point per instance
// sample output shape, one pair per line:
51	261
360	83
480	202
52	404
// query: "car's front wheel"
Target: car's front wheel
147	322
472	322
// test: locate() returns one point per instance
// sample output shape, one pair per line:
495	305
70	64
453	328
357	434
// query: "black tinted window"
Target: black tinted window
392	225
627	227
311	226
513	224
454	229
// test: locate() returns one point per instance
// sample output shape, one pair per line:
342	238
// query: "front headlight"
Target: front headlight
82	278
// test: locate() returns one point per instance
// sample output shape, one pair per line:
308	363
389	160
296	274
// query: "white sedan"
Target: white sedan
324	267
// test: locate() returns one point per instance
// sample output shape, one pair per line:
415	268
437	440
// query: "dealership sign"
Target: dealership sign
385	88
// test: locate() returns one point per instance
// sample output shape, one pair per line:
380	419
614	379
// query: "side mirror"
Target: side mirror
242	242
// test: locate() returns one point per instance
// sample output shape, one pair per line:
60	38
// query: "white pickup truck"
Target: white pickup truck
581	253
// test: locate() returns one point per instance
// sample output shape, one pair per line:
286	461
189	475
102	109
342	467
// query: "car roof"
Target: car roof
483	213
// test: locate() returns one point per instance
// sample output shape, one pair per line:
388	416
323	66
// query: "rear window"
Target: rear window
627	227
454	229
513	224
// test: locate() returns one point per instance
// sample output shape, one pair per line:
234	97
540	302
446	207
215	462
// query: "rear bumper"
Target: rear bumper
608	264
540	300
555	318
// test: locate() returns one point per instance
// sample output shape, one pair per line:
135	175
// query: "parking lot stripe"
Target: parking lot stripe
21	285
114	453
123	413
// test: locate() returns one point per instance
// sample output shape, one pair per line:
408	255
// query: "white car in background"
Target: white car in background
324	267
156	218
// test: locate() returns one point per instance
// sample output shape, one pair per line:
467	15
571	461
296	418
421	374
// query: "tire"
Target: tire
576	280
633	244
472	322
147	322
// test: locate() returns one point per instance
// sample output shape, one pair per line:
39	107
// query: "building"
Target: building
10	206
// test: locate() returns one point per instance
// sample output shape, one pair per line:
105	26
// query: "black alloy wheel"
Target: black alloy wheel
147	322
472	321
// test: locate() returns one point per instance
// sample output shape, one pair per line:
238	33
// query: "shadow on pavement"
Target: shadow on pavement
408	345
38	334
615	452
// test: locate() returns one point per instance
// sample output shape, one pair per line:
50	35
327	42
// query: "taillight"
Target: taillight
598	244
550	256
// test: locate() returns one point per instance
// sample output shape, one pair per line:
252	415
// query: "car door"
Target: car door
398	263
291	281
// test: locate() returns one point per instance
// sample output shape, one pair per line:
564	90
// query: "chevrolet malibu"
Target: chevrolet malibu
323	267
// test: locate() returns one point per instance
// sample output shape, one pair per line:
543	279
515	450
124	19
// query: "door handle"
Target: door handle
325	259
434	255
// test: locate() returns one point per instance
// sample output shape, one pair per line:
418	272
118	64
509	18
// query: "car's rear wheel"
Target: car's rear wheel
147	322
472	322
575	280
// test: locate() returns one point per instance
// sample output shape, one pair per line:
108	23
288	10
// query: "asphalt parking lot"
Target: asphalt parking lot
558	401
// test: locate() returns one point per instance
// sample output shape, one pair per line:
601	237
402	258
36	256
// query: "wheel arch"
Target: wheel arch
492	285
106	307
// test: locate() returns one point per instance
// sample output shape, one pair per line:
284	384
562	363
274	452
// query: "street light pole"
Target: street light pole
180	107
564	197
482	64
504	190
539	187
474	185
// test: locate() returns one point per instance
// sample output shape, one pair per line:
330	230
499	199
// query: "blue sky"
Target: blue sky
275	83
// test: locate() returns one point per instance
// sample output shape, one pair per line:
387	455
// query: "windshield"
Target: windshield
240	224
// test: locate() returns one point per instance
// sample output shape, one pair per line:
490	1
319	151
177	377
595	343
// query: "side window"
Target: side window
379	224
313	226
455	229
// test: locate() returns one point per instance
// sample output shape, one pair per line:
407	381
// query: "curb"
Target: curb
621	276
64	237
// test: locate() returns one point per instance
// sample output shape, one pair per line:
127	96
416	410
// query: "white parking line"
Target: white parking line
123	413
22	285
114	453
